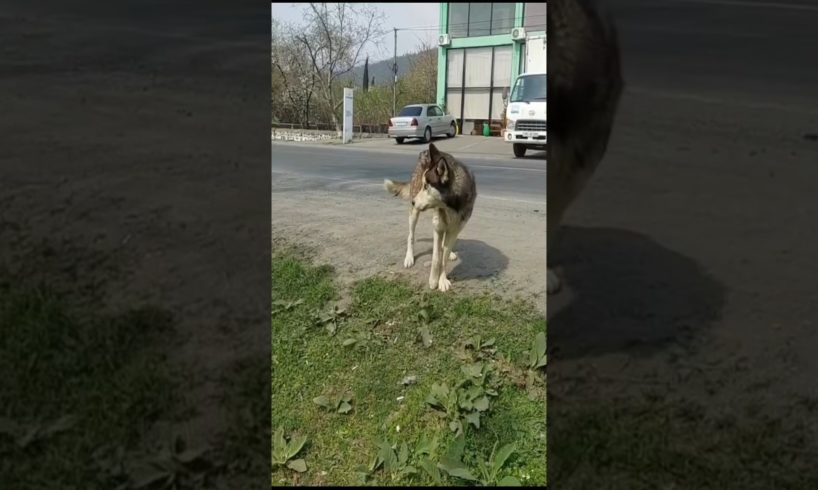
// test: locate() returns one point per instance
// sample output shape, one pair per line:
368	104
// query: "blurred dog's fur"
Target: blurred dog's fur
584	86
441	183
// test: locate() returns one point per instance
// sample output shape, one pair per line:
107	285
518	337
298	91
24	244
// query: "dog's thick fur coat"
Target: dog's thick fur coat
584	86
441	183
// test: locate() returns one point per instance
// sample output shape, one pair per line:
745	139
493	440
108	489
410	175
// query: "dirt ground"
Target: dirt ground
689	268
94	198
694	229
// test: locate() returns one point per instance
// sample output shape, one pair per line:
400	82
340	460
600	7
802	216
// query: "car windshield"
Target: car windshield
410	111
528	88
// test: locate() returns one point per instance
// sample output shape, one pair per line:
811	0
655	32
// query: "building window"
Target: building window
534	18
502	66
501	81
458	20
454	100
502	18
476	104
479	19
454	82
454	68
478	69
476	81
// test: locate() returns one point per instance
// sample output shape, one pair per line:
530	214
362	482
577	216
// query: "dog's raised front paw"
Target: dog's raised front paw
552	282
409	261
444	284
452	256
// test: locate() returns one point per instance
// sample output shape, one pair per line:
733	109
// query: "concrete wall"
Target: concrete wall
303	135
287	134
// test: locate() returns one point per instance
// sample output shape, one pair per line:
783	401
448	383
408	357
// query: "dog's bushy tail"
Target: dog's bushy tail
398	189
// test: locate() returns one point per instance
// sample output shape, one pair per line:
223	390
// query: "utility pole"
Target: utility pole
395	72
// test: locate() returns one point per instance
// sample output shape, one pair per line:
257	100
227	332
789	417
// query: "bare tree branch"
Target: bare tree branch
335	38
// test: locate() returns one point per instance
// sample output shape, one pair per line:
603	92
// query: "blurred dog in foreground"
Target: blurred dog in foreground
584	86
441	183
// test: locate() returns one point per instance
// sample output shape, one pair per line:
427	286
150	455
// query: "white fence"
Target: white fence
324	132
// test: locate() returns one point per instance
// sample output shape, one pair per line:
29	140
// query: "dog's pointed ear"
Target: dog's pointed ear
434	154
442	170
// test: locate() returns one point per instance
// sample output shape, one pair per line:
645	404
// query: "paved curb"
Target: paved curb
476	148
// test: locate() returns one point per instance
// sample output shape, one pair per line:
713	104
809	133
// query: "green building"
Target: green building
481	51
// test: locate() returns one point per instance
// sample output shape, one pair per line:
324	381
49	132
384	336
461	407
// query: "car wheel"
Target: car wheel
452	131
427	135
519	150
399	140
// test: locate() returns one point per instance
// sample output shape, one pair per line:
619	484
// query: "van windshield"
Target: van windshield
529	88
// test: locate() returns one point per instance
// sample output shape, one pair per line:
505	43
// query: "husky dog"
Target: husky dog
584	85
446	186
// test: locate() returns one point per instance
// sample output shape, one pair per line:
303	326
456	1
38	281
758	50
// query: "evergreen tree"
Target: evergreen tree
366	74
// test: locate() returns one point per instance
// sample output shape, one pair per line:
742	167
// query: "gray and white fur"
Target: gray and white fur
445	185
584	86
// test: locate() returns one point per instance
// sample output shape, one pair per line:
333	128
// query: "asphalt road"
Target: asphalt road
755	52
692	249
507	179
711	157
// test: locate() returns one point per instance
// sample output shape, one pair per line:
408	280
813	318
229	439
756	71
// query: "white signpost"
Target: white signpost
347	115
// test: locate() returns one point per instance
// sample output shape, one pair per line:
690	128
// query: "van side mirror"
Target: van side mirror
505	93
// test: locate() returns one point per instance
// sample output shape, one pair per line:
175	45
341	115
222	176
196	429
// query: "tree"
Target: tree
334	37
374	107
277	82
422	75
419	84
366	74
293	81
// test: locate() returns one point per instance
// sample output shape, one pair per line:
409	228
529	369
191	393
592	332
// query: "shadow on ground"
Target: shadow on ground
420	142
624	291
535	155
476	259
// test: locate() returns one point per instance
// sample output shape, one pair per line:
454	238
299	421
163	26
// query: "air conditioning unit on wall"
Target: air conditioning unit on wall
443	40
518	34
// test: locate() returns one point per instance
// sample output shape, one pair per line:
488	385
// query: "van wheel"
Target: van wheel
427	135
399	140
452	131
519	150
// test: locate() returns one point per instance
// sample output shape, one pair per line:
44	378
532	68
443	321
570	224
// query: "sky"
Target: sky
396	15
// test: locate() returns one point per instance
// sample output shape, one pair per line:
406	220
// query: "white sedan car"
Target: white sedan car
421	121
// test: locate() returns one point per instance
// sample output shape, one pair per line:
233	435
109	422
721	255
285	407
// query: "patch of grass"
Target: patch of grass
377	346
72	382
515	419
247	439
651	443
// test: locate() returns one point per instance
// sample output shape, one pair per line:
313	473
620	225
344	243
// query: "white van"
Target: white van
527	107
527	114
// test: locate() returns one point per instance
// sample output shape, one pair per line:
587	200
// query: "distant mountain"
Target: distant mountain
382	70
